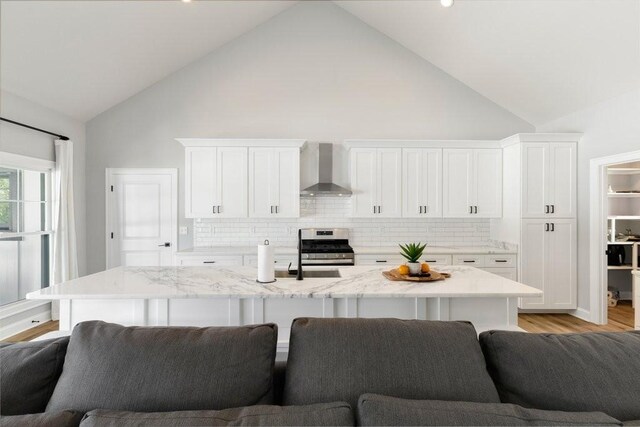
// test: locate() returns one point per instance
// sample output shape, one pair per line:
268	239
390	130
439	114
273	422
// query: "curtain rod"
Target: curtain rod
62	137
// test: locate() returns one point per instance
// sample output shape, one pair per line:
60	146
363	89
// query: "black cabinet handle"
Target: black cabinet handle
553	227
476	209
430	260
546	226
420	209
213	209
501	260
469	260
546	208
276	208
381	260
470	209
208	262
165	245
553	208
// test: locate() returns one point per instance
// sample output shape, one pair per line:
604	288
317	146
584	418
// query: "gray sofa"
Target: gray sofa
339	372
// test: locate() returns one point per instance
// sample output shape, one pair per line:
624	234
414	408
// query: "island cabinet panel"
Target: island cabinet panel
203	312
376	182
274	182
215	182
208	260
472	183
421	182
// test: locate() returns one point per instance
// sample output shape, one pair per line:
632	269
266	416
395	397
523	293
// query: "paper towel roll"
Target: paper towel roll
266	267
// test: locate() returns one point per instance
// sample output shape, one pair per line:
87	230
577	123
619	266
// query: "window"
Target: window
25	230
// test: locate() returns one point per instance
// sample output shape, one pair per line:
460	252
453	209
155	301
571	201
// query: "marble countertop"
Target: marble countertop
239	282
358	250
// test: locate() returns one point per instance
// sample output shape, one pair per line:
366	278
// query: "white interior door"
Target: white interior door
141	217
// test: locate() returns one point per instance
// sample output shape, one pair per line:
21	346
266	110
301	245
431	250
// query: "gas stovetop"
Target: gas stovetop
326	246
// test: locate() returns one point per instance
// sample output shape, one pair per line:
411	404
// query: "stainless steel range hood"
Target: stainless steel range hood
325	185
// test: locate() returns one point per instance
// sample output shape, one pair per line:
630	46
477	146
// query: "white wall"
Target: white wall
18	140
611	127
313	72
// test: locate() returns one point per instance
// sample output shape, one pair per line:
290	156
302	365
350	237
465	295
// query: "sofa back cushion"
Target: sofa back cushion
110	366
376	410
28	374
567	372
324	414
340	359
45	419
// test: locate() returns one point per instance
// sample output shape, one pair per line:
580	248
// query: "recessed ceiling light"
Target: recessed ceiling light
186	1
446	3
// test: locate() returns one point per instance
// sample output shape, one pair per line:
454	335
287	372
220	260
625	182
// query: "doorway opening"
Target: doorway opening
614	237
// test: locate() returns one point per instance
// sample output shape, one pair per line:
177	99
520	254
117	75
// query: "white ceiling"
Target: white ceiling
540	59
83	57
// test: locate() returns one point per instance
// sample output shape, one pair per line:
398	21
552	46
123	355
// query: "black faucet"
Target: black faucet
299	273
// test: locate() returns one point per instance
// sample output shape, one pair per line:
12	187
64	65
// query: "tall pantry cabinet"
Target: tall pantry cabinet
540	215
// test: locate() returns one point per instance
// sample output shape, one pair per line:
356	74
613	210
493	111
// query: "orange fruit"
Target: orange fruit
425	267
403	269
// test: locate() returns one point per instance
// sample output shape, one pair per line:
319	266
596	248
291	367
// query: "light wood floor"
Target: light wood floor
620	319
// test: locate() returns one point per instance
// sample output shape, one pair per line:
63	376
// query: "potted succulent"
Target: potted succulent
412	252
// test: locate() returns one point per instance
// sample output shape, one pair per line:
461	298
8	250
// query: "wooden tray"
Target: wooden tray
397	277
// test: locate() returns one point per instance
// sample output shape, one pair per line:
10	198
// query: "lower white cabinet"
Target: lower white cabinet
278	260
548	262
208	260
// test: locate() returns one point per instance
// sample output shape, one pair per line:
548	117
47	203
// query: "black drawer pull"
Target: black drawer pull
430	260
501	260
381	260
208	262
469	260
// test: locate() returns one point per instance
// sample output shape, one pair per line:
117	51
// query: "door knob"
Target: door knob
165	245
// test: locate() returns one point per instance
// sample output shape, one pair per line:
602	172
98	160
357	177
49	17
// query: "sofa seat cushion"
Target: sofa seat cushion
567	372
46	419
324	414
340	359
149	369
631	423
376	410
28	374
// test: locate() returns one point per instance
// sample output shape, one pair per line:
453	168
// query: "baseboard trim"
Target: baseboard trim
583	314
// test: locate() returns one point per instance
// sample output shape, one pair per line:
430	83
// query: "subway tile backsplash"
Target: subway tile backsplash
335	212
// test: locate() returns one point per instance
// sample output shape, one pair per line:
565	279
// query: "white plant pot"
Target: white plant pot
414	267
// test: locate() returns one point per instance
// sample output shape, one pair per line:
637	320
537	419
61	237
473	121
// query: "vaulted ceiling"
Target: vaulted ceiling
539	59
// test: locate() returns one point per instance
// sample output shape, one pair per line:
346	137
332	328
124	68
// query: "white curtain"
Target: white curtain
65	257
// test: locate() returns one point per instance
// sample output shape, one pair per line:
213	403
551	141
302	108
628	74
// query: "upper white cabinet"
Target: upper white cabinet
421	182
548	180
236	178
216	182
472	183
376	182
274	182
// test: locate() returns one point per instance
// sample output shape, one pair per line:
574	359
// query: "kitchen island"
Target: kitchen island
205	296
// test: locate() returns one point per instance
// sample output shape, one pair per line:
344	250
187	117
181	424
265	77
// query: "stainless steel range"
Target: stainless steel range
326	246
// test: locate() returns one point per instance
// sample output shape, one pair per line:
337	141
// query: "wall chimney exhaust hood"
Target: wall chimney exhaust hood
325	186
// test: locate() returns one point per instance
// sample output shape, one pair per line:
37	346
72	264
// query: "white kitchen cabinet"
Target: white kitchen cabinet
274	182
549	180
376	182
421	182
472	183
548	252
215	182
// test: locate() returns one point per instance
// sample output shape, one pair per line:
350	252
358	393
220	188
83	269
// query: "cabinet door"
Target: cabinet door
487	183
389	187
457	169
286	190
363	182
261	182
231	182
560	281
421	182
561	182
535	163
200	182
533	264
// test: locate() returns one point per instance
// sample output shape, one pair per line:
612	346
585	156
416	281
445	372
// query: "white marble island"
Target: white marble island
203	296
